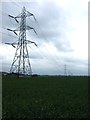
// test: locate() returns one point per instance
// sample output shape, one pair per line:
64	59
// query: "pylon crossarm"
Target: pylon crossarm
31	42
28	28
11	16
14	18
17	29
13	31
19	16
30	14
13	44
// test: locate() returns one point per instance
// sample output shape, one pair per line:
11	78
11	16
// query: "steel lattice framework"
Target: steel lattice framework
21	63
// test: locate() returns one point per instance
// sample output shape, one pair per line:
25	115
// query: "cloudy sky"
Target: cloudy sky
62	39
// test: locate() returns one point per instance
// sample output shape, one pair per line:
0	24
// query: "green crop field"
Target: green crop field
44	97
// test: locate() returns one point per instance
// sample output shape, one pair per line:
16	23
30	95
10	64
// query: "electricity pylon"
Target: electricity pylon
65	70
21	63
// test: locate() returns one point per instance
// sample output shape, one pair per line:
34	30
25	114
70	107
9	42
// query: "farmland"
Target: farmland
44	97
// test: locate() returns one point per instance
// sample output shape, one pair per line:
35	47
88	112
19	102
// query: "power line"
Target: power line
8	34
47	57
16	4
4	13
55	58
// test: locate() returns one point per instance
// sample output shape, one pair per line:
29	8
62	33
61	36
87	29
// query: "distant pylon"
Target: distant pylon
21	63
65	70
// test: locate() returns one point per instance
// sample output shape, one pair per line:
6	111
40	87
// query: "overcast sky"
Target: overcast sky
62	35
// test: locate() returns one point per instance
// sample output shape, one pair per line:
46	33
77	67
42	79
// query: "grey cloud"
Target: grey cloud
53	24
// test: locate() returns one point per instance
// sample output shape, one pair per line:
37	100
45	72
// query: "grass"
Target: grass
45	97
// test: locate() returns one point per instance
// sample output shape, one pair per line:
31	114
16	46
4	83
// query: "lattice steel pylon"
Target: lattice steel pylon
65	70
21	63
